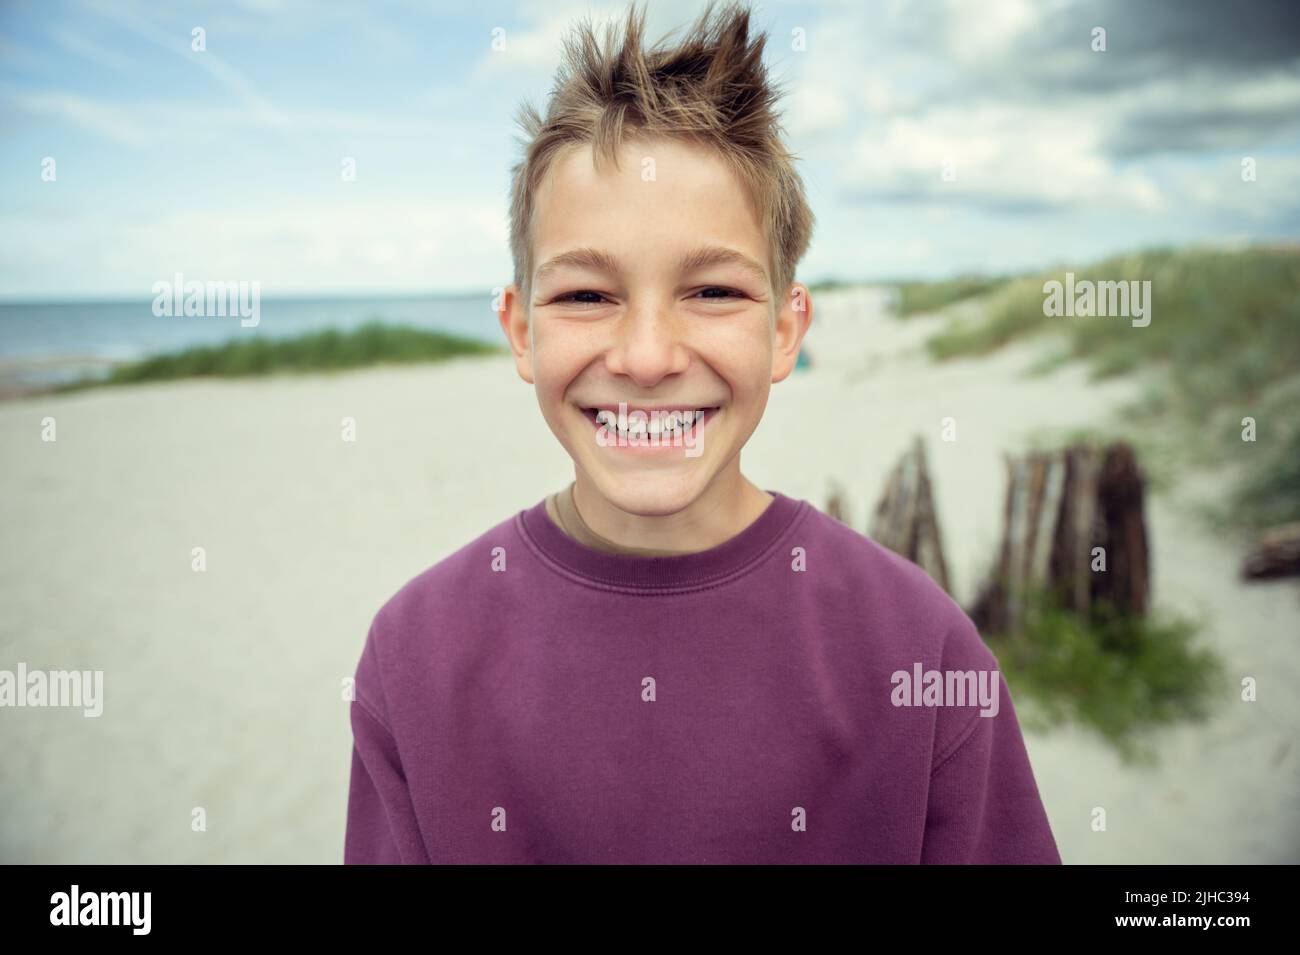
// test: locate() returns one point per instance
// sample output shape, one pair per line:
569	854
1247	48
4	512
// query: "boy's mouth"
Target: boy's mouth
665	421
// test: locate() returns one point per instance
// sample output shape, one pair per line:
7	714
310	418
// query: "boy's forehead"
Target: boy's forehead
640	158
661	192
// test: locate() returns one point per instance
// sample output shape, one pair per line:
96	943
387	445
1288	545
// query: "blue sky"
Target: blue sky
226	164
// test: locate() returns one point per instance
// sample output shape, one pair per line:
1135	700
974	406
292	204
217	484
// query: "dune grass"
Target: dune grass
370	344
831	285
1226	321
915	298
1268	491
1223	344
1120	676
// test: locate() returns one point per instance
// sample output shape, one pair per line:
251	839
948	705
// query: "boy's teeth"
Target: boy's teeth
669	421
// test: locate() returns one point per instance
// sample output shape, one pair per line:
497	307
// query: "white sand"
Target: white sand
223	689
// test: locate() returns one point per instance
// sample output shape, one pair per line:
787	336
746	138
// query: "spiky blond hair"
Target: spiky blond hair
711	88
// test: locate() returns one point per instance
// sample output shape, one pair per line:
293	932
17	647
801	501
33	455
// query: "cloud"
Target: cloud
1014	95
135	123
119	124
87	49
984	157
1205	113
359	243
226	74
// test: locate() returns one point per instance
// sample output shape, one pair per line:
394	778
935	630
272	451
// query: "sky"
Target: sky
935	137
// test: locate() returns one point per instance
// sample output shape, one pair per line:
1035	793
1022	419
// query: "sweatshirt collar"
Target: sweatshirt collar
669	574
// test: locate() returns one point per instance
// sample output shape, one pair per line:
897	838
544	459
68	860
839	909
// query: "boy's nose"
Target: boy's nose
648	346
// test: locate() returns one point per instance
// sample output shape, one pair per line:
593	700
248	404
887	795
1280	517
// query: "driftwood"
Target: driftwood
1074	534
905	520
837	505
1276	554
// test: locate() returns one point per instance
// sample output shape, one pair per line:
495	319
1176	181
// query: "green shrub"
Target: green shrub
331	350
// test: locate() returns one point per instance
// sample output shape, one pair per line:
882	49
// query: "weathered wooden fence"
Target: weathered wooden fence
1074	532
1275	554
905	520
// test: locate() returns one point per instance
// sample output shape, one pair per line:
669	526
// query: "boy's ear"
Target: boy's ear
512	313
792	320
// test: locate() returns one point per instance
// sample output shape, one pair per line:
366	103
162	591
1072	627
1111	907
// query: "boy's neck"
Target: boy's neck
564	515
724	510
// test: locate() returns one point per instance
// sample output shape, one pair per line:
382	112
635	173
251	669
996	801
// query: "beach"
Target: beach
224	689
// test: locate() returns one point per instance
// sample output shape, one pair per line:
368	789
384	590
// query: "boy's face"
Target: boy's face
651	287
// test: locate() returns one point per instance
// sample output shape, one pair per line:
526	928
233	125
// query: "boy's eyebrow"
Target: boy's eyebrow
718	255
579	258
699	258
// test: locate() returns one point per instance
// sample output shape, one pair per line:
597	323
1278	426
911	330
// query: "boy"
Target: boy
665	663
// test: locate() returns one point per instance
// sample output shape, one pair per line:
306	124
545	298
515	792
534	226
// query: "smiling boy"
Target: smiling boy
664	662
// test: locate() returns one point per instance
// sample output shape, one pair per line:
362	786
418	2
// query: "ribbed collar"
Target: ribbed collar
673	574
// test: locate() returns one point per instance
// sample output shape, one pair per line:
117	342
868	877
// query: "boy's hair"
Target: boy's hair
711	89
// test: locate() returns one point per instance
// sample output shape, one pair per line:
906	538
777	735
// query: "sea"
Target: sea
49	343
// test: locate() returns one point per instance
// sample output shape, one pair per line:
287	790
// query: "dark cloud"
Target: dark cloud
1148	40
917	195
1219	35
1182	128
1205	51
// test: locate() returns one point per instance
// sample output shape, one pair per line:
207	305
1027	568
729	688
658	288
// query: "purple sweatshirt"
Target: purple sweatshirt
771	700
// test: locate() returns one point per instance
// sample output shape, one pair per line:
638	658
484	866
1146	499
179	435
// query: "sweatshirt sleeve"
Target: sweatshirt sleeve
983	806
381	824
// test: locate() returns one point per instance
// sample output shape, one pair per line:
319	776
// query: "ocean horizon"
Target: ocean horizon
43	344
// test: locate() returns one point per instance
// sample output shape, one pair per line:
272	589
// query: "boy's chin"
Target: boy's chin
652	494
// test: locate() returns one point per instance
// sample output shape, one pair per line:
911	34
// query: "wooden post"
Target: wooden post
836	505
1061	506
905	519
1275	554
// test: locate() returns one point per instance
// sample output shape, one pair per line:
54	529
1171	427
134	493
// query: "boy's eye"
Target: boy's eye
587	297
581	298
722	293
